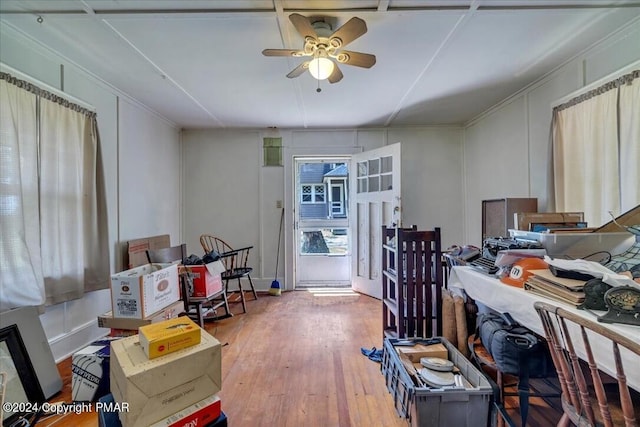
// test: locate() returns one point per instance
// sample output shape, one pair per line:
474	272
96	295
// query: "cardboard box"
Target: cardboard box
199	414
158	388
418	351
90	371
206	279
122	333
523	220
160	339
578	245
172	311
142	291
137	249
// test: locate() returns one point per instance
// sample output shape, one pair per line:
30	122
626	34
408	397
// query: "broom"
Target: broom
275	285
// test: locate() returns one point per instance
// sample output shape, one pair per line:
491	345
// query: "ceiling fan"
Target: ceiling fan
324	48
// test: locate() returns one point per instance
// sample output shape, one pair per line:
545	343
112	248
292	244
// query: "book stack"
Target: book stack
544	283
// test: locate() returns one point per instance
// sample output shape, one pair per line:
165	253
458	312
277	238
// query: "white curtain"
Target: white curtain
585	153
21	280
596	151
53	204
69	213
630	144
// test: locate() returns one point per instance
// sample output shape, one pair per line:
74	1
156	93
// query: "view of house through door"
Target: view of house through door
323	255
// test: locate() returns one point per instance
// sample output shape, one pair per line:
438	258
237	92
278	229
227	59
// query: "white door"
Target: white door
375	186
323	257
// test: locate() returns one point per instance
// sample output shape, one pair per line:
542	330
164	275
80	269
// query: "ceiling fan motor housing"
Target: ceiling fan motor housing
323	42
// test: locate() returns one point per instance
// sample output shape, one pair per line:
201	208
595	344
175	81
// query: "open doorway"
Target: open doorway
321	232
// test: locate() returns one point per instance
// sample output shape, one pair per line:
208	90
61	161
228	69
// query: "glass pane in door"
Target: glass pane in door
328	241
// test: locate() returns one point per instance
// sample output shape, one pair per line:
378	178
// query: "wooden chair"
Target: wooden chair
236	264
589	397
179	253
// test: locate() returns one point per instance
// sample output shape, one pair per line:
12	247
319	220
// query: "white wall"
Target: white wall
507	149
141	157
222	182
432	179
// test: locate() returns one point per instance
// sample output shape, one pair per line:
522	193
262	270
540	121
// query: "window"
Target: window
595	150
272	151
375	175
313	193
51	195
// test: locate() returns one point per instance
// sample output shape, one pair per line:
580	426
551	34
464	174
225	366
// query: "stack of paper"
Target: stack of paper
543	282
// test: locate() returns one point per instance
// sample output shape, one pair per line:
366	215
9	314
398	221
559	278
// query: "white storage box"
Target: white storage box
158	388
142	291
578	245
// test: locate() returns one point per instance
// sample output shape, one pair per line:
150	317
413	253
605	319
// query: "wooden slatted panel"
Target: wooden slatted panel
424	281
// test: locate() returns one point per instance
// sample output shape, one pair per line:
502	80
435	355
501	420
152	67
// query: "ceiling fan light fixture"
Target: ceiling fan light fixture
321	68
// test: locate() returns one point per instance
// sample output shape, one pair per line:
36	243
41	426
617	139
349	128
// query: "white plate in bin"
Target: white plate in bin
437	364
437	378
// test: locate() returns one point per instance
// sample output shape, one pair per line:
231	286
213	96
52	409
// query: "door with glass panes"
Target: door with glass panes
375	184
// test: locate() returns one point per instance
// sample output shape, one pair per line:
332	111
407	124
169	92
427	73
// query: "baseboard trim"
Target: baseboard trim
63	346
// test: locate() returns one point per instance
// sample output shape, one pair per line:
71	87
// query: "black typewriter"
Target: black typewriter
486	265
493	245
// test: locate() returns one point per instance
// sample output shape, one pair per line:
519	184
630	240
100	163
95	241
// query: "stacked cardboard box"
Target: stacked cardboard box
141	292
90	371
176	385
200	413
206	279
141	296
137	249
124	326
108	411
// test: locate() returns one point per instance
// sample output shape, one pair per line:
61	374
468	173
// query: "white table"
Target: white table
494	294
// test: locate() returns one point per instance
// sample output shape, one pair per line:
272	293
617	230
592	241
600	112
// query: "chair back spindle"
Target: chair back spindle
589	396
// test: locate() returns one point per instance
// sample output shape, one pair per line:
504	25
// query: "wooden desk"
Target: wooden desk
495	295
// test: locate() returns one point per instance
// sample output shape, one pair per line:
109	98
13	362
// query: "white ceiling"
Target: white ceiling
199	63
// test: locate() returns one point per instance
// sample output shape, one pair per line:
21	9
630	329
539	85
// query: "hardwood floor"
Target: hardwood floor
295	360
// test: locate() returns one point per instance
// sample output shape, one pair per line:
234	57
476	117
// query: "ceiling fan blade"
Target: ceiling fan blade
282	52
336	76
299	70
358	59
351	30
303	26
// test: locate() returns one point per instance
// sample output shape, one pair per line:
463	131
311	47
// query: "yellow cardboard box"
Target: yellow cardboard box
159	339
155	389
